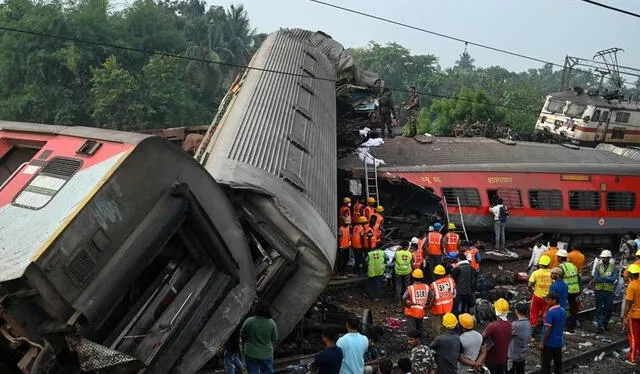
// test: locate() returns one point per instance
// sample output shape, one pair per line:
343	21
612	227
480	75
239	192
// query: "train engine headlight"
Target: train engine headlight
543	119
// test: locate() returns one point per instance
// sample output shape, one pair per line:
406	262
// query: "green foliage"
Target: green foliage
469	107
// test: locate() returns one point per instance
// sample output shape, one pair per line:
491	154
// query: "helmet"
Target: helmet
439	270
414	240
371	200
430	228
346	200
451	226
449	320
501	306
379	209
466	321
634	269
362	219
605	253
544	260
452	255
417	274
437	226
562	253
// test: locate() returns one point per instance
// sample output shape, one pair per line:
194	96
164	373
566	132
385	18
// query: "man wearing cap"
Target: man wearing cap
423	360
447	346
571	277
631	313
552	336
473	349
416	297
499	332
442	291
539	284
559	287
605	276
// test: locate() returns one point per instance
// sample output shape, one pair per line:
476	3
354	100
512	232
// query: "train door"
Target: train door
603	124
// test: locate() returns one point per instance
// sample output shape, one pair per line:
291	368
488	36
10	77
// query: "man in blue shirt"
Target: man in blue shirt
552	335
353	345
559	287
328	361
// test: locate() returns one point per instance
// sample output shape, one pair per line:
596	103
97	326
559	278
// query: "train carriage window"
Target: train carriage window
621	201
622	117
575	110
584	200
617	133
555	106
467	196
545	199
511	197
605	116
596	115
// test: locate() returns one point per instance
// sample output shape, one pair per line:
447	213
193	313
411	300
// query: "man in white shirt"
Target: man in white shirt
499	223
538	250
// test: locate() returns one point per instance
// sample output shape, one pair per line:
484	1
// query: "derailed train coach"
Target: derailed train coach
121	253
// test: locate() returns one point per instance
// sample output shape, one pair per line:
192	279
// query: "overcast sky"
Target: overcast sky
547	29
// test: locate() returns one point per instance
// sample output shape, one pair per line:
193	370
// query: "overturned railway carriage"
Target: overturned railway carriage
585	117
548	188
116	249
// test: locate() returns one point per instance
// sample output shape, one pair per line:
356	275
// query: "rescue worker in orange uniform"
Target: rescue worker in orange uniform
451	240
416	297
345	211
552	253
376	222
418	256
344	246
637	262
577	258
631	313
357	242
434	248
357	211
442	291
370	208
473	256
422	241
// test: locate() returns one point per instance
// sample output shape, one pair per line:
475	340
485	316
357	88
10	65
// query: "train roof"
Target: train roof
597	101
75	131
482	154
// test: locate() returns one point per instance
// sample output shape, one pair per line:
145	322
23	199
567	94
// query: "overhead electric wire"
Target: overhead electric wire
245	67
612	8
467	42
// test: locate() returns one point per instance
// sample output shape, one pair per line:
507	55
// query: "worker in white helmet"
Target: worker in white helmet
604	278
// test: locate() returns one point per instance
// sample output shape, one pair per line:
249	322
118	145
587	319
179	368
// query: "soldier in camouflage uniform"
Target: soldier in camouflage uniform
386	111
412	112
423	358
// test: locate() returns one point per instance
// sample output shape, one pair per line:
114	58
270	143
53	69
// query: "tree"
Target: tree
465	62
467	107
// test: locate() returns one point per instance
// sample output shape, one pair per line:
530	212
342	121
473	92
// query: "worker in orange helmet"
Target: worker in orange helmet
370	208
345	211
416	297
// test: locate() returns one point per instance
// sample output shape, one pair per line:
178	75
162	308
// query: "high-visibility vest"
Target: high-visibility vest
369	237
443	292
345	237
452	240
357	212
570	276
418	298
604	286
403	261
435	243
471	257
377	225
345	214
357	237
368	212
418	258
421	242
375	263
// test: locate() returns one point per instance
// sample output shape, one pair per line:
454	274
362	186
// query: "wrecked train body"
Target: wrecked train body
119	252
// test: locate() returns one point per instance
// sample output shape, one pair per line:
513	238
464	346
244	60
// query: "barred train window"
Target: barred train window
555	106
467	196
545	199
584	200
510	196
622	117
621	201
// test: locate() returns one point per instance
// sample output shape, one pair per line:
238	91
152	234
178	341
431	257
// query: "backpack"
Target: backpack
503	214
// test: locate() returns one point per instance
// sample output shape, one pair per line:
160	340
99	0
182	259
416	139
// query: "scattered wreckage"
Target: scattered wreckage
121	253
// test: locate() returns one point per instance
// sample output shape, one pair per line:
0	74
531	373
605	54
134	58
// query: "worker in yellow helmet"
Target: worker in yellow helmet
370	208
442	291
499	332
447	343
539	284
631	313
416	297
451	240
473	349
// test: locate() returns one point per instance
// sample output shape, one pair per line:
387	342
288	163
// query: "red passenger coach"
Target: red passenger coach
548	188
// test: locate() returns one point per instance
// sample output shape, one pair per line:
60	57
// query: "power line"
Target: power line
485	46
612	8
246	67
